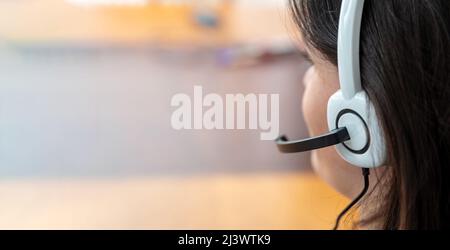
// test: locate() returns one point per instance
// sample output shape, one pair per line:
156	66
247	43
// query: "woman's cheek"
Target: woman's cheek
314	111
315	101
325	162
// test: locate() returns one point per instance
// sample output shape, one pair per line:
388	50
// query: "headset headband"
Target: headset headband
348	47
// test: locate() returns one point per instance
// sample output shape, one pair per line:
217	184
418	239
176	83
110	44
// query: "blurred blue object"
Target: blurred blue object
207	18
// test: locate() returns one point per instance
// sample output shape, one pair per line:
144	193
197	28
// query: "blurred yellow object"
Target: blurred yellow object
244	201
59	21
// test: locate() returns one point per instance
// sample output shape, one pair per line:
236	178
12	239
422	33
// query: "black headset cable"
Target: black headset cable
366	174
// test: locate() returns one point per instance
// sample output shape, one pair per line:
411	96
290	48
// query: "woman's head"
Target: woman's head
405	70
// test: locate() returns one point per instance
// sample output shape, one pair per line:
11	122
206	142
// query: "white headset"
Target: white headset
351	116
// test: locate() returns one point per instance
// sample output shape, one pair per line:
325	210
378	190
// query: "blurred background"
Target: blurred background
85	134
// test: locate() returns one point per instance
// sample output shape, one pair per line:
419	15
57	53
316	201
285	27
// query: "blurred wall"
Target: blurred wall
78	99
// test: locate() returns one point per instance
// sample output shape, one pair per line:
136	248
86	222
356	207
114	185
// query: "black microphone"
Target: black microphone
332	138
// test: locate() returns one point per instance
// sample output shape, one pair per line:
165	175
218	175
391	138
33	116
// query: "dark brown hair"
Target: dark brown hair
405	69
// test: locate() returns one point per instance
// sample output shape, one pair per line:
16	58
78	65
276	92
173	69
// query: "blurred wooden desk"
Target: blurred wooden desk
244	201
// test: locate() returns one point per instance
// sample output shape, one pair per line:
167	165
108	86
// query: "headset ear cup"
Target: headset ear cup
366	147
